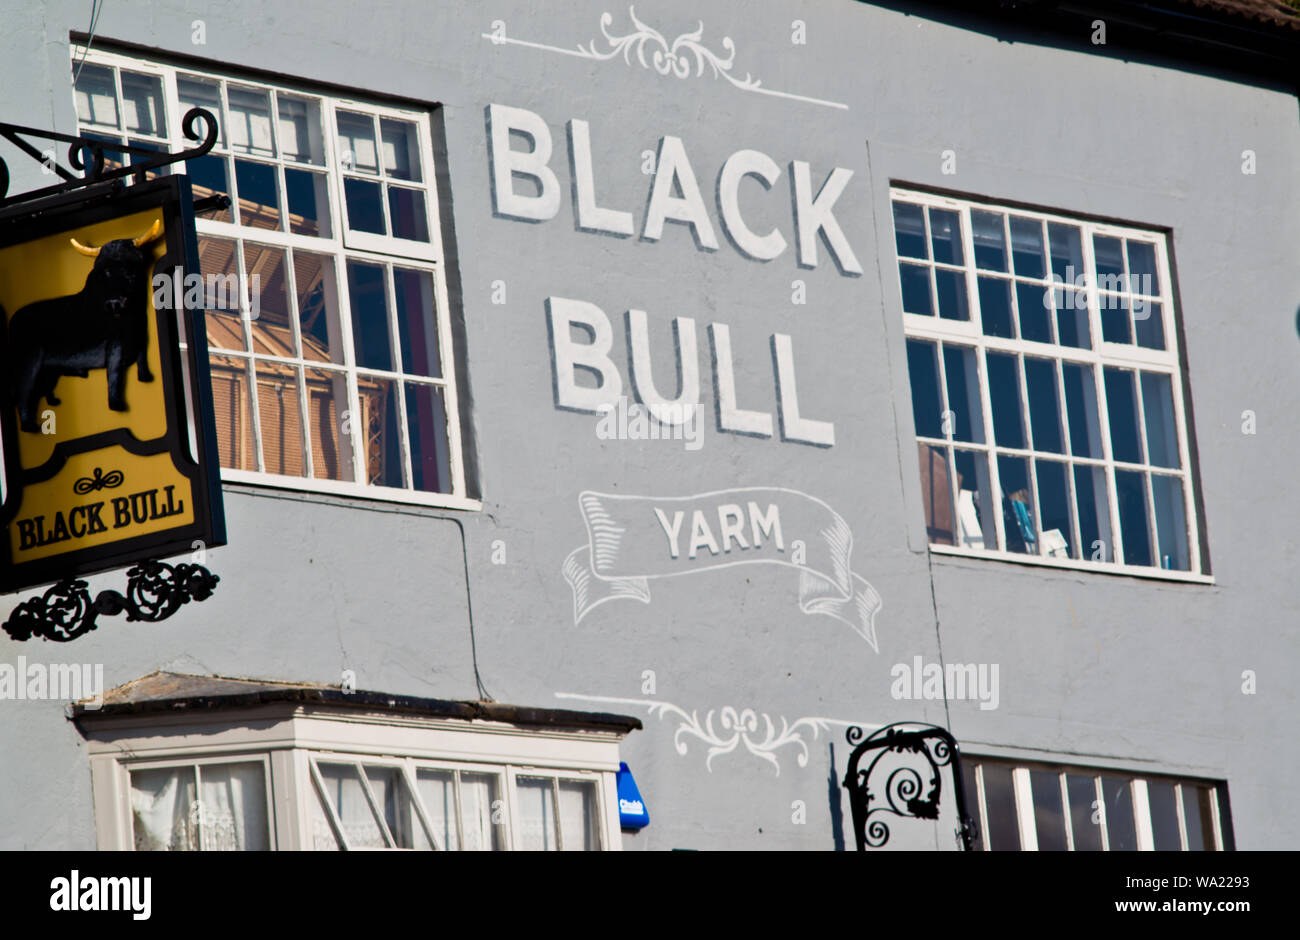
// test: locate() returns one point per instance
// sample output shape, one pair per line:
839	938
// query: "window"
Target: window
1061	808
1046	387
174	769
329	341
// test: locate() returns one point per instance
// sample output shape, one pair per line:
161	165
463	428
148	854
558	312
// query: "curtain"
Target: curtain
161	803
229	813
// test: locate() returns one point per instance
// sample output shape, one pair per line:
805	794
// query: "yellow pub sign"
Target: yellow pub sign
109	444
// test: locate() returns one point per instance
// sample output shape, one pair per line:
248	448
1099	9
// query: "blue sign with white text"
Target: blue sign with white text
631	808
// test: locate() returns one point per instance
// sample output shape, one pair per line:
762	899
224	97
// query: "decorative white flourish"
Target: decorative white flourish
734	728
666	58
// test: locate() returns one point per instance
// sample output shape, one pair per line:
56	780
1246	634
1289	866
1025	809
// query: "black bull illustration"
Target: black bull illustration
104	326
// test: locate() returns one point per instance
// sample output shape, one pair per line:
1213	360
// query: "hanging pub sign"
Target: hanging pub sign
105	411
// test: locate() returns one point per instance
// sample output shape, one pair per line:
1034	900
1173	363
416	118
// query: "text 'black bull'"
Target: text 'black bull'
104	326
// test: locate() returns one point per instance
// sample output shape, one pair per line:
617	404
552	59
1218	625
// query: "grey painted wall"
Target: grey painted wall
1131	672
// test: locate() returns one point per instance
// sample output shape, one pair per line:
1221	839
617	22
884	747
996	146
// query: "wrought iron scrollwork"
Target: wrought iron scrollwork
911	758
86	156
154	591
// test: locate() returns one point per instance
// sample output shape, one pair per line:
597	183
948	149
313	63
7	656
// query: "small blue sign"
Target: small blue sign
631	808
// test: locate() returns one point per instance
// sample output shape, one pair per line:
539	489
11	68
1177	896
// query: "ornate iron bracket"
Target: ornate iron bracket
92	166
910	755
154	591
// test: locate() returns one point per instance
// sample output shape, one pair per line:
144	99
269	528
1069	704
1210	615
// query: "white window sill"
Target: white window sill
1072	564
381	494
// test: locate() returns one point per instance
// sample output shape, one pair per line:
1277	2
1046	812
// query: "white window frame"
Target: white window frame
969	333
341	246
290	738
1027	820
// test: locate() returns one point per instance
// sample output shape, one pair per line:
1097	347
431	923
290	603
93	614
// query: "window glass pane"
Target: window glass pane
357	151
995	307
1114	319
936	493
578	822
536	814
971	796
114	157
232	409
269	319
1083	811
989	240
1004	398
426	419
280	410
365	212
318	305
927	407
221	293
1035	316
308	197
951	288
1164	816
1131	497
909	231
259	196
1158	406
300	129
1054	505
1049	815
197	92
1081	410
1044	405
975	526
367	286
380	419
394	802
250	121
1072	318
945	235
401	149
406	210
322	833
1017	505
480	802
962	373
210	176
1067	252
1000	803
1027	247
142	104
97	97
1093	513
331	445
164	813
915	280
1121	832
1143	277
438	794
1110	262
232	812
1148	324
1198	817
344	790
1121	404
1171	523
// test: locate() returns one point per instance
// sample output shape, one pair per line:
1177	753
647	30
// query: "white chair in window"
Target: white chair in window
1054	545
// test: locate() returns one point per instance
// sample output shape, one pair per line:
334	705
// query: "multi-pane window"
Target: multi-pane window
1046	386
369	804
1080	809
327	317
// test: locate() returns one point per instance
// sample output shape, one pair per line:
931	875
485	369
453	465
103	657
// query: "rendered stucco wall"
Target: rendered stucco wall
1130	672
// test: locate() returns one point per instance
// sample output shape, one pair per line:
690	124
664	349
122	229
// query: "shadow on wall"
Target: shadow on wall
834	793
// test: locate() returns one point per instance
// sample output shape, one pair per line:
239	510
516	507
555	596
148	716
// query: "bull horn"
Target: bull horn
90	252
154	231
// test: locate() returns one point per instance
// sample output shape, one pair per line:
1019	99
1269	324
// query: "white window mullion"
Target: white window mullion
1028	825
1142	816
